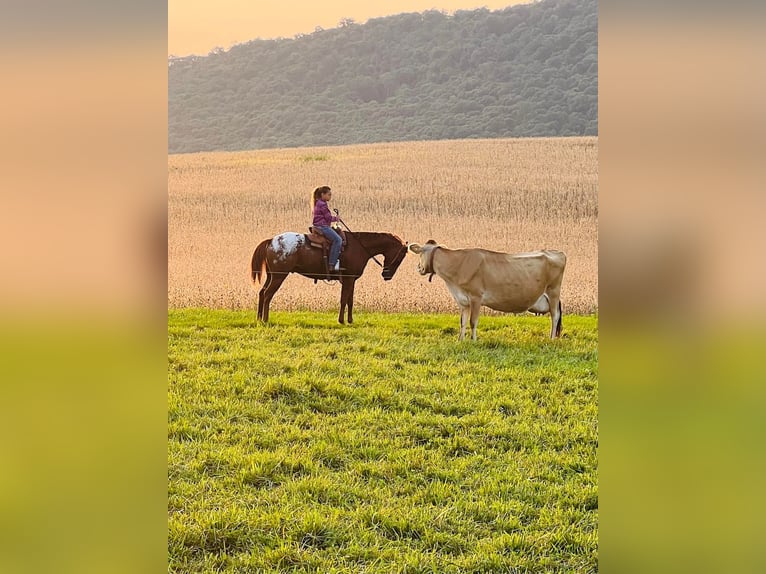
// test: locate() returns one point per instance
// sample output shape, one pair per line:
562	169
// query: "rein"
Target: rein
402	248
358	240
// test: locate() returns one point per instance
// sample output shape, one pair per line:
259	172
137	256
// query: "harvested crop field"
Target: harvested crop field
509	195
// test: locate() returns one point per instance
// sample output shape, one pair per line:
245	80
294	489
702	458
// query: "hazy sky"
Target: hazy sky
197	26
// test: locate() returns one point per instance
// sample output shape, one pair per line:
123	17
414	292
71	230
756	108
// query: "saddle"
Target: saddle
316	239
319	241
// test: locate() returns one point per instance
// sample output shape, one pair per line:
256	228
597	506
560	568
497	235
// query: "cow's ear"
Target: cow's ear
430	242
415	248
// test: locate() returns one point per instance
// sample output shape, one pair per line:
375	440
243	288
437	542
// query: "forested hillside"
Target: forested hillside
528	70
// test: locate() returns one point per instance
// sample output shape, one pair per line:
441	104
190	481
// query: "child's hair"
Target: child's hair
318	193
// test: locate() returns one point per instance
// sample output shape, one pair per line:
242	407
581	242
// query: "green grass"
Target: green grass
307	158
383	446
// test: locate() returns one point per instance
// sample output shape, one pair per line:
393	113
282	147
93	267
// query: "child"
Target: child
322	221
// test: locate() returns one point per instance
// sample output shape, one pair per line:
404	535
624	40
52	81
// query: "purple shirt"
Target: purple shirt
322	215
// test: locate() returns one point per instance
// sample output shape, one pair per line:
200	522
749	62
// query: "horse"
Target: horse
275	258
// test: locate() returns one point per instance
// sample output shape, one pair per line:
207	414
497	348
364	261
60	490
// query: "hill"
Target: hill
528	70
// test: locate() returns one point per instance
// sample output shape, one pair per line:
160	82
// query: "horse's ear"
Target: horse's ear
430	242
415	248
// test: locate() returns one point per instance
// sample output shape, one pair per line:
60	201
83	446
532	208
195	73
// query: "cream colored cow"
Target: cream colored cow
506	282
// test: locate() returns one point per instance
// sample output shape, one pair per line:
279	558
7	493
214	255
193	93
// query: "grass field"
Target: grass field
383	446
509	195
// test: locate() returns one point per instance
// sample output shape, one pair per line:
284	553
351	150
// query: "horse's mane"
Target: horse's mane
394	235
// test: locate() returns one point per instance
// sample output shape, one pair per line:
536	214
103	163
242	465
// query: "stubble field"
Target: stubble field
509	195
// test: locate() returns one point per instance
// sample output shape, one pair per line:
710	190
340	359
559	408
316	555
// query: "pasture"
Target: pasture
506	195
380	447
383	446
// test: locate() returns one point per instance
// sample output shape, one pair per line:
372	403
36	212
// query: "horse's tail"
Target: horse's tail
258	262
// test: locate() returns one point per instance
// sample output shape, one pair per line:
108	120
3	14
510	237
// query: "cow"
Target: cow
512	283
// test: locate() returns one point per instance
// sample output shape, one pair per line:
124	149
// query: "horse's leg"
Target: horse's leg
262	295
351	301
273	287
344	298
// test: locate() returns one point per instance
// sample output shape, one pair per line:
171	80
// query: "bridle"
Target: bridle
403	247
359	240
393	259
396	257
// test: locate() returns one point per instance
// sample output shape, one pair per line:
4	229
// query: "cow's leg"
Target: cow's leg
345	291
554	303
273	286
475	308
553	291
464	313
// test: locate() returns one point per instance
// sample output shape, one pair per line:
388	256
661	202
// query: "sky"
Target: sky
198	26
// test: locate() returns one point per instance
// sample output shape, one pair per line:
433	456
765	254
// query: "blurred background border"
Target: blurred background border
83	162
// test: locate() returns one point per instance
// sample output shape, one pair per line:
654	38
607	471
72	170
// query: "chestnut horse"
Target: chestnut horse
289	252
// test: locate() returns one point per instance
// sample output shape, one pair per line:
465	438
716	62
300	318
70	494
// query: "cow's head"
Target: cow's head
425	265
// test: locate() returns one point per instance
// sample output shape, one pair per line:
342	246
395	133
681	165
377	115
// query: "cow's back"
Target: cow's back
514	282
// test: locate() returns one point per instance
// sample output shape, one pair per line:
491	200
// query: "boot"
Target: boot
336	269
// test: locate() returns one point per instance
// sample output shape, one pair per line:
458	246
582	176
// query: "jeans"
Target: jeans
330	234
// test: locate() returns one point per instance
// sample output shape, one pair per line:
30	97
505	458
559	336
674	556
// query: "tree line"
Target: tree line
527	70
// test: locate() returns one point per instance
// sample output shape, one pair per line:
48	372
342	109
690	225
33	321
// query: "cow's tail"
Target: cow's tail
559	323
258	263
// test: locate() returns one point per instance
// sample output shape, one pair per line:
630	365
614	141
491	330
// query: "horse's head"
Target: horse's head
393	255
